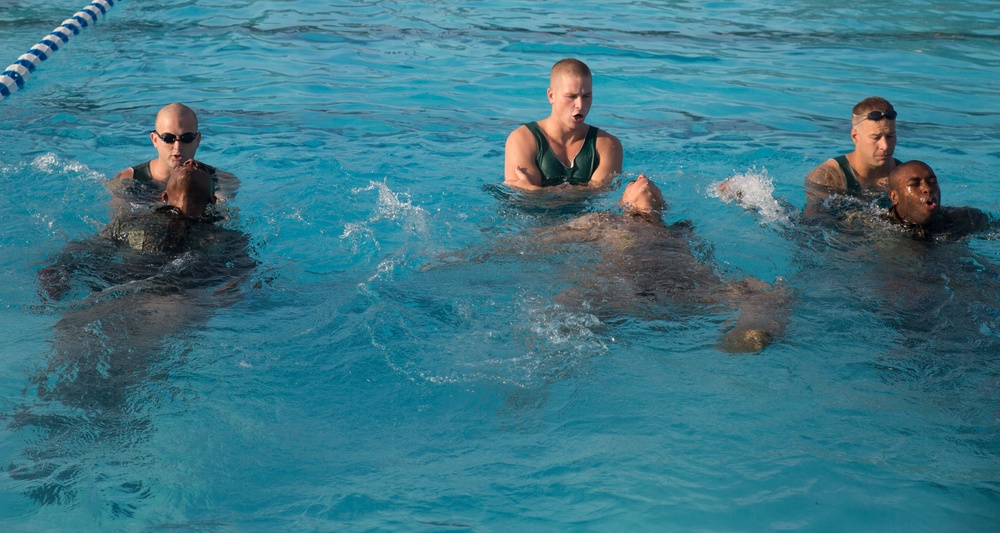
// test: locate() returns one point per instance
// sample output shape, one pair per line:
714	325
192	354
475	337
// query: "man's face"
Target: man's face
643	196
571	97
916	195
875	141
174	124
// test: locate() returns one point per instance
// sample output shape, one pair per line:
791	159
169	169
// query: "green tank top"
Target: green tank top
853	185
553	171
141	173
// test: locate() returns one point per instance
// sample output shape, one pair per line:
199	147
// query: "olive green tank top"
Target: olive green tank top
553	171
853	185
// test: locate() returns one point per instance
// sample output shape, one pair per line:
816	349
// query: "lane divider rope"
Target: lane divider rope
12	79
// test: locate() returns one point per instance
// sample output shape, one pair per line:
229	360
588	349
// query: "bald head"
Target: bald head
900	174
189	188
174	113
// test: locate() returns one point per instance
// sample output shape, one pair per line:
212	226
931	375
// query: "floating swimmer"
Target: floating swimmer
146	282
644	261
144	240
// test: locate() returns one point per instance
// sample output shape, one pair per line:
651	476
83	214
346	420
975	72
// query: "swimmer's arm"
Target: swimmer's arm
824	181
54	280
119	191
519	167
124	174
609	151
969	220
227	186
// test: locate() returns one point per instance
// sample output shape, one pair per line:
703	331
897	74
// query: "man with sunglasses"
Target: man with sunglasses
864	172
176	139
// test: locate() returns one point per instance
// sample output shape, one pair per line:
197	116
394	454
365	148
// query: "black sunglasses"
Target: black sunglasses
170	138
876	116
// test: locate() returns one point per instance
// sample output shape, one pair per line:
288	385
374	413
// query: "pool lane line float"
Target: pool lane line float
16	74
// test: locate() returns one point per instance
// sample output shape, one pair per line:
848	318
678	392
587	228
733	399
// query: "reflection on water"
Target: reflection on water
420	361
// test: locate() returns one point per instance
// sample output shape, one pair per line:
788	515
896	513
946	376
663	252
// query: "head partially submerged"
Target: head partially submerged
914	192
643	197
189	189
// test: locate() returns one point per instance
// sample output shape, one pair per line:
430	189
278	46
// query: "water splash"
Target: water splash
51	163
754	191
393	207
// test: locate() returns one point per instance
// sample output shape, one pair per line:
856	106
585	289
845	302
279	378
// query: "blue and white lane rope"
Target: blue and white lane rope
16	74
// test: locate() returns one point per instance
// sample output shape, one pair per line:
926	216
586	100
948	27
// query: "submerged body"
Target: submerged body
645	264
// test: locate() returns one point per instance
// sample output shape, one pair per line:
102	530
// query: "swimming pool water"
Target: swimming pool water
402	358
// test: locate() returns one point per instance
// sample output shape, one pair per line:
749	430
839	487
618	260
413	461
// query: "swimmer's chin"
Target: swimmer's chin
741	341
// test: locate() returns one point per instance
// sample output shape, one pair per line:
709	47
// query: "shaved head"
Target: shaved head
898	176
643	196
569	67
179	112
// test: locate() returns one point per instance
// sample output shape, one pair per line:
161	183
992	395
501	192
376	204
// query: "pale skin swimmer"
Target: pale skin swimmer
586	160
873	131
645	261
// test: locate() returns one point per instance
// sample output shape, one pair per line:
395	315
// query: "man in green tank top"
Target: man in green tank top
563	148
865	170
176	139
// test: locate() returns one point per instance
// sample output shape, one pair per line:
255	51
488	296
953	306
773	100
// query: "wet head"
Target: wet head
189	188
914	192
643	196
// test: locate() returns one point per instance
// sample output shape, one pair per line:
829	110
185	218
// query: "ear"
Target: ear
549	93
211	199
854	135
893	197
164	196
153	138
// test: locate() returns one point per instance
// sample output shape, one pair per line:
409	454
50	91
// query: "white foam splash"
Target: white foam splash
390	206
51	163
753	190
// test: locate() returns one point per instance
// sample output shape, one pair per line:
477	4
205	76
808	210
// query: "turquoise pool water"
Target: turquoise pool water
402	359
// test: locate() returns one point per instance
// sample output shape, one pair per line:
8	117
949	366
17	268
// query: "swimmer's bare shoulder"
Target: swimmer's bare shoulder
609	150
124	174
826	179
821	182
